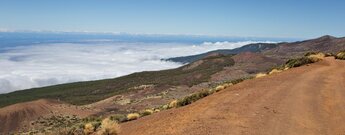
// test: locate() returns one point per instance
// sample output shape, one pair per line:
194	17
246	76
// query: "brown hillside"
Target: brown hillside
247	64
19	116
308	100
323	44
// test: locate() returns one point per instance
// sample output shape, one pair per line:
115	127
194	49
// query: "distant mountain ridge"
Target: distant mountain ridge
325	43
257	47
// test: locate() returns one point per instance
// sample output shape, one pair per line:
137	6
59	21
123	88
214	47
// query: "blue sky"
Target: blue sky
256	18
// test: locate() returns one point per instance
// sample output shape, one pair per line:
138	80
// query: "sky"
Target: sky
243	18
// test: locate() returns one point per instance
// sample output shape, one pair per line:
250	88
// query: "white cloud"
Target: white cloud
48	64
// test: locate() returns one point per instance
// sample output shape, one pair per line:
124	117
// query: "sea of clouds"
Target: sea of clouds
30	66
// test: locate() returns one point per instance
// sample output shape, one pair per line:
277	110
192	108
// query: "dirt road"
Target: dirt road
308	100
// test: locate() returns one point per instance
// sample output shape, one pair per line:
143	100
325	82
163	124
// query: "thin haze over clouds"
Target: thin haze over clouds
48	64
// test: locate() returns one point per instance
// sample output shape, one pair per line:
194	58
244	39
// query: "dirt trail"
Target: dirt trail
301	101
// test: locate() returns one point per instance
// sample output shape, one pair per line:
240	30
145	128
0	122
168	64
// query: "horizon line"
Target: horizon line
3	30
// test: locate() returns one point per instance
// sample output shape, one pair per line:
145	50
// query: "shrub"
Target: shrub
147	112
275	71
340	55
329	55
260	75
67	131
89	129
298	62
172	104
109	127
118	117
233	82
164	107
219	88
133	116
316	57
92	119
192	98
156	110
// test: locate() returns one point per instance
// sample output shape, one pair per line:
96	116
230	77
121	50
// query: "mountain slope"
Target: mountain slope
305	100
139	91
258	47
21	116
282	50
81	93
327	44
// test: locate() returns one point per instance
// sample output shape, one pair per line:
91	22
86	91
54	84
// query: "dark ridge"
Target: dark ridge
258	47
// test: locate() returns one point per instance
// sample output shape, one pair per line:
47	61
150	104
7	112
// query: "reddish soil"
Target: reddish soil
18	116
307	100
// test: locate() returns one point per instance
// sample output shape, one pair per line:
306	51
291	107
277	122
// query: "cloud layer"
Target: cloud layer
49	64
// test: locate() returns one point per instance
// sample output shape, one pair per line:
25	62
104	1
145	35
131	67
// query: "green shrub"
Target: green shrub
92	119
298	62
119	118
146	112
192	98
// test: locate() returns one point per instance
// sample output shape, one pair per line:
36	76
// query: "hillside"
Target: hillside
258	47
22	116
327	44
154	89
81	93
307	100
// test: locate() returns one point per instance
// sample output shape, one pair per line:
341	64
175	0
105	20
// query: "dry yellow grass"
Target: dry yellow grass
157	110
109	127
147	112
173	104
89	128
133	116
275	71
340	55
317	57
165	107
260	75
220	87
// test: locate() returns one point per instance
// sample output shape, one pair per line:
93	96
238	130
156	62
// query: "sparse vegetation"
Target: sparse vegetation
298	62
307	59
329	54
275	71
118	117
172	104
147	112
133	116
109	127
259	75
89	128
93	91
340	55
311	53
192	98
220	87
